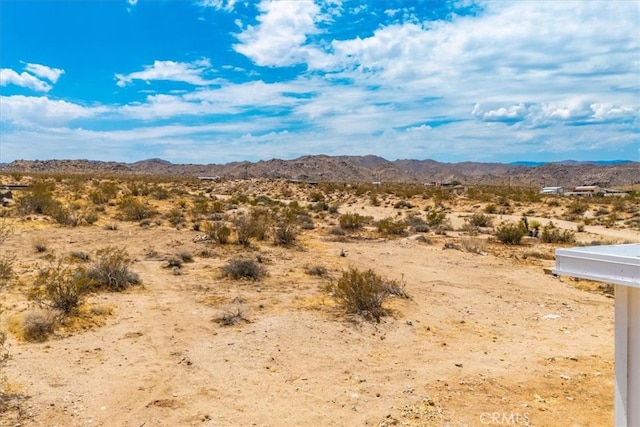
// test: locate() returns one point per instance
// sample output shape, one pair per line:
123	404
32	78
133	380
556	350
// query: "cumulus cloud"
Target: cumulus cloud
191	73
42	71
40	111
24	79
280	38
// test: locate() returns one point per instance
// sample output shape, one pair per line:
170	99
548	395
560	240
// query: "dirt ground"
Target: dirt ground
484	339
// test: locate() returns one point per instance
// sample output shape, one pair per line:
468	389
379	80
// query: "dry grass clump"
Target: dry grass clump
232	316
389	226
364	292
316	270
479	220
285	234
133	209
243	268
37	325
217	231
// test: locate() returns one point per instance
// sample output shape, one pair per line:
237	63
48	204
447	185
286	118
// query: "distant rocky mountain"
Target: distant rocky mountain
363	169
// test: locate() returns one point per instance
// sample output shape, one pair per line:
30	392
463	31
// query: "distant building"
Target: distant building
552	190
584	191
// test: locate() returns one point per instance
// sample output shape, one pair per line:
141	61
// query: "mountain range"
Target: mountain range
363	169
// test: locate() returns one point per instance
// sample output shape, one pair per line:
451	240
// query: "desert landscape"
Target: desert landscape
148	299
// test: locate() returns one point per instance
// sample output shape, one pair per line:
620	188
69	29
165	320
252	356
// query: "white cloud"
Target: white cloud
24	79
40	111
226	5
280	37
132	2
191	73
42	71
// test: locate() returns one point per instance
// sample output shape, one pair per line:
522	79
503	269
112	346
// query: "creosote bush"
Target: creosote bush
511	233
364	292
285	234
61	287
217	231
552	234
132	209
479	220
243	268
352	221
111	270
389	226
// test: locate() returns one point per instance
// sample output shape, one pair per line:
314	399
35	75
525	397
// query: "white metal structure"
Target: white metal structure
619	265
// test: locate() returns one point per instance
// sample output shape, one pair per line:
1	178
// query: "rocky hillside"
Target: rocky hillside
360	168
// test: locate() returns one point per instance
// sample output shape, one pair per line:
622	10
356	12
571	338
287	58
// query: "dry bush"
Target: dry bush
37	325
38	199
364	292
40	244
111	270
61	287
436	217
474	245
232	316
243	268
285	234
6	261
511	233
175	217
217	231
316	270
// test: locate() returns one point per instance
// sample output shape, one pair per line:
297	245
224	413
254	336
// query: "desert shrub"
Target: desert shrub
174	261
552	234
90	216
38	199
479	220
175	217
436	217
133	209
364	292
243	268
232	316
576	209
61	287
336	231
37	325
352	221
510	233
403	204
40	244
79	256
254	225
285	234
389	226
316	270
474	245
580	228
111	271
217	231
490	208
185	256
316	196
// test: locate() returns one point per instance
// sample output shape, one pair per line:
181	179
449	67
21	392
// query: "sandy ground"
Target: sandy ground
485	339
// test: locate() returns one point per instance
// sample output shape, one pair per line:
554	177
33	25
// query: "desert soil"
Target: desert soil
485	339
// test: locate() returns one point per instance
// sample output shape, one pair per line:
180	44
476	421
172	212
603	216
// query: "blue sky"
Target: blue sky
214	81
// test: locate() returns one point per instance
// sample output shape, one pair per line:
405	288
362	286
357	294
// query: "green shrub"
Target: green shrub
243	268
132	209
552	234
111	270
436	217
175	217
511	233
479	220
364	292
38	199
352	221
389	226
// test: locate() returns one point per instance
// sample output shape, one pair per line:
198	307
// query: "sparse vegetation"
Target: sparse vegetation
111	270
37	325
364	292
552	234
243	268
352	221
511	233
61	287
